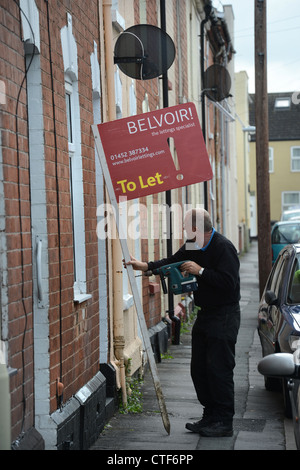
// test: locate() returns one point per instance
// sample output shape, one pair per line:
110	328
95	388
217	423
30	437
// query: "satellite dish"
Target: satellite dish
144	52
217	82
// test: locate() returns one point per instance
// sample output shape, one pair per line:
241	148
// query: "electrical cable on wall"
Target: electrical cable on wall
21	217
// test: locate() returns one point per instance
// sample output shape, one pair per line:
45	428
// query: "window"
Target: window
295	158
70	115
271	160
294	287
143	12
119	95
69	49
290	199
285	234
283	103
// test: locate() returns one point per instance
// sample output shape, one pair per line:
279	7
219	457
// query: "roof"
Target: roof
284	116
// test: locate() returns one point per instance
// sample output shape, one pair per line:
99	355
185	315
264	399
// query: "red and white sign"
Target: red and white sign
138	154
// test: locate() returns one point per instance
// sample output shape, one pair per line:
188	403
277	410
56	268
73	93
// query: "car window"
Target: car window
285	234
277	286
290	214
279	268
274	273
294	287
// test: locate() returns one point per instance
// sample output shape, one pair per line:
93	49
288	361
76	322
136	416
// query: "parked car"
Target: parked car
291	214
284	233
279	317
287	367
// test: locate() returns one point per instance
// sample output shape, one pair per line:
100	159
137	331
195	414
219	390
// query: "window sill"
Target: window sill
80	298
117	20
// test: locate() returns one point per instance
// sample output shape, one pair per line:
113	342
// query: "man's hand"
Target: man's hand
191	267
136	264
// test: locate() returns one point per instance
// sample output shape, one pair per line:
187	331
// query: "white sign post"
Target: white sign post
133	283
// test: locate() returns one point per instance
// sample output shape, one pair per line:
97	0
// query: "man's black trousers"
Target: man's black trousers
214	336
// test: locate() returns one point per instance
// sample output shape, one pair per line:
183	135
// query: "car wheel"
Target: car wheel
286	399
272	384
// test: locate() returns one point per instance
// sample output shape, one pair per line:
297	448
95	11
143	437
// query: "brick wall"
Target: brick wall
73	328
74	354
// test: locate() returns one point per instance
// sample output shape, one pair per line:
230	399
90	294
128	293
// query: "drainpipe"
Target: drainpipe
170	310
179	53
118	320
207	9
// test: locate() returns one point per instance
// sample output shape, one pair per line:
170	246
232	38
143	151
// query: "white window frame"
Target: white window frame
76	193
118	95
295	159
69	49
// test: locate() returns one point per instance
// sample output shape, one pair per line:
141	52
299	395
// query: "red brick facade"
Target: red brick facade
73	328
73	352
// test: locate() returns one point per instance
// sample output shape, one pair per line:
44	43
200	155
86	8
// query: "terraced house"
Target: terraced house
68	325
284	151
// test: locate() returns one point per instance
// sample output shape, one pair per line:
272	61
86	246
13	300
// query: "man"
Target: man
214	260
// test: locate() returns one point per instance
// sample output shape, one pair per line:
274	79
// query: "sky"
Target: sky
283	37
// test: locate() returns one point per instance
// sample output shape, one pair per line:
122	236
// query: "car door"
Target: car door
265	325
278	287
268	315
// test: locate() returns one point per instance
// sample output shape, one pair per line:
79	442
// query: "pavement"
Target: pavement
259	422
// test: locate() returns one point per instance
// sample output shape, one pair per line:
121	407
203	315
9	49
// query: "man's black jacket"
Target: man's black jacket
219	284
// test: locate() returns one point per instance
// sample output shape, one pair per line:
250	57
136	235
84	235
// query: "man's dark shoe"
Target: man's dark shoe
216	429
198	425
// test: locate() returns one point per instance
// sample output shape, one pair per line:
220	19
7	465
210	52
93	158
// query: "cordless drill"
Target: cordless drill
179	282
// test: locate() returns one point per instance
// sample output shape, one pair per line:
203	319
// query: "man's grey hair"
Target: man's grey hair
200	219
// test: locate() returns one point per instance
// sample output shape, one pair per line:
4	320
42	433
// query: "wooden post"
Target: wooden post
262	145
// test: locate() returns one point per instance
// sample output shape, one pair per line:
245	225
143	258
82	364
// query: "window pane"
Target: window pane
285	234
271	160
291	198
296	164
69	117
281	103
294	290
296	159
296	152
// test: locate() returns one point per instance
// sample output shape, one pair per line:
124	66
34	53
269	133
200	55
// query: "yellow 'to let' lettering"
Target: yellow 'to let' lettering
131	185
